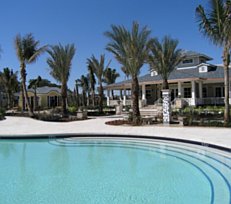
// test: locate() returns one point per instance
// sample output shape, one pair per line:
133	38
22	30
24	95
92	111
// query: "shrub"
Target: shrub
72	109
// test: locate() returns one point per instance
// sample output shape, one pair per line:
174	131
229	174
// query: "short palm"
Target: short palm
92	81
99	66
110	76
164	57
34	83
8	79
60	65
84	84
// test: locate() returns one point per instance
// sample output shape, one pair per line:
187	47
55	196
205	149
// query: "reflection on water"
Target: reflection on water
6	149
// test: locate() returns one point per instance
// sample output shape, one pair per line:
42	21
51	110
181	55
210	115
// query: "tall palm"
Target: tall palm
8	79
215	24
77	92
130	49
99	67
110	76
27	51
34	84
164	57
84	84
92	81
60	65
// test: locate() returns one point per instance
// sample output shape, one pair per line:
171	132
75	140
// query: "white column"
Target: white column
108	97
143	92
124	97
200	89
179	89
143	101
193	94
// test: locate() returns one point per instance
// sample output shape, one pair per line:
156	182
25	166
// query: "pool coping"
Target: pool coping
90	135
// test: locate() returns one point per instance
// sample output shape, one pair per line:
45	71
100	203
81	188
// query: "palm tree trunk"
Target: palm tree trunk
23	100
35	99
100	98
165	84
135	100
93	97
88	98
77	95
23	76
64	97
8	99
226	61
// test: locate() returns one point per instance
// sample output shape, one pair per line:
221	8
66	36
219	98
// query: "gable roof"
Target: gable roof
45	90
176	75
190	53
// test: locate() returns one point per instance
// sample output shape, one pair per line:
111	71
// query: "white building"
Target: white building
194	80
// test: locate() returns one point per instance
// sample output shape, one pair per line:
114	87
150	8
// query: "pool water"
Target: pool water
112	171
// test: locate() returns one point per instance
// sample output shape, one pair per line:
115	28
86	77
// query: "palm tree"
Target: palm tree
164	57
125	71
215	24
60	66
110	76
130	49
8	79
92	81
34	84
27	51
84	84
99	66
77	92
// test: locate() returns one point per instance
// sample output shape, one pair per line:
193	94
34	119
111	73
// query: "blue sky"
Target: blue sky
84	22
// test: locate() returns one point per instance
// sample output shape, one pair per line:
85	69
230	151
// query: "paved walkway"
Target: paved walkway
14	126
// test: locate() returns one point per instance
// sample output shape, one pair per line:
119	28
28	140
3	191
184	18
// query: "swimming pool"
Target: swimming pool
107	170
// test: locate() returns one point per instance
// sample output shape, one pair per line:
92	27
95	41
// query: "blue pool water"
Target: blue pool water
112	171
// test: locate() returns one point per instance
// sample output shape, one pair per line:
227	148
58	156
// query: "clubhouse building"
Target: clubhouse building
194	82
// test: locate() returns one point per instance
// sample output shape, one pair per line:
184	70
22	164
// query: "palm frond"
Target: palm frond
215	22
164	56
129	47
60	61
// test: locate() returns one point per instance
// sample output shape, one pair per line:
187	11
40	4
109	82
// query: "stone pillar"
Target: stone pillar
166	95
179	89
193	94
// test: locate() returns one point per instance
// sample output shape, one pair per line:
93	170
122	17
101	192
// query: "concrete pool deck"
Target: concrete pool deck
22	126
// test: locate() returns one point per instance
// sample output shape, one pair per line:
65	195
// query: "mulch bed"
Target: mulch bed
118	122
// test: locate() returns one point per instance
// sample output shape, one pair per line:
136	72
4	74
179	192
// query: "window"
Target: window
187	93
219	92
148	94
174	94
204	92
188	61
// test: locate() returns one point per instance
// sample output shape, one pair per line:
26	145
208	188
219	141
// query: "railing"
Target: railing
210	101
158	102
199	101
